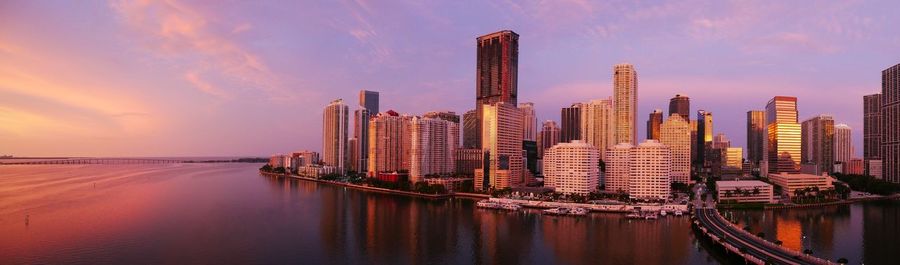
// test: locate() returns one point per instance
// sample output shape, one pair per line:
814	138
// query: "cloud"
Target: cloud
204	86
791	41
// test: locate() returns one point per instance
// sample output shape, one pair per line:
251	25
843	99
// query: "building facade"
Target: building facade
502	148
653	123
744	191
782	143
529	121
871	129
548	138
572	168
497	73
817	142
843	144
890	122
388	143
467	160
432	148
681	105
335	135
790	183
571	123
625	89
704	139
470	129
618	168
597	124
756	127
675	133
651	168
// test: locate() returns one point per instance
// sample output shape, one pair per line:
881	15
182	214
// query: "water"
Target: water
228	214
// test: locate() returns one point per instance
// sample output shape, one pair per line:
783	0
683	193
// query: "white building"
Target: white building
598	124
572	168
741	191
651	171
334	135
618	167
432	148
625	101
675	133
529	121
843	145
792	182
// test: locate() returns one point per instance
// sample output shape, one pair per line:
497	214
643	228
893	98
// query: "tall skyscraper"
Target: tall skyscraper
502	148
597	124
471	130
571	123
433	146
625	85
387	133
675	133
843	145
651	168
618	167
334	135
817	142
872	127
369	101
704	138
782	143
360	150
720	141
572	168
549	137
756	127
681	105
890	124
529	121
653	123
497	72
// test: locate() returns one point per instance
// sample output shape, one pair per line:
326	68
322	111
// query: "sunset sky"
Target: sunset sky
223	78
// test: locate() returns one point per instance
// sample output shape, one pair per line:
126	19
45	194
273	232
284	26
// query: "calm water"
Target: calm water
228	214
863	233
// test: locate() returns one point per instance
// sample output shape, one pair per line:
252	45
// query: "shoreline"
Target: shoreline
842	202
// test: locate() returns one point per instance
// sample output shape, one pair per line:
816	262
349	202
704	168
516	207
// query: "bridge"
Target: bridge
753	249
96	161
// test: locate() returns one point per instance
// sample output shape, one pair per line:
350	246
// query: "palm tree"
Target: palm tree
755	190
843	261
807	251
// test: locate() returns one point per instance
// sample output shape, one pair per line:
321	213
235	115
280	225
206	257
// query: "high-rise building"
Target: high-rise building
549	137
572	168
817	142
653	122
733	159
497	73
720	141
756	127
502	148
890	124
571	123
369	101
843	144
597	124
871	130
443	115
681	105
467	160
650	176
694	147
388	133
334	135
625	89
360	150
352	155
782	143
433	147
529	121
618	167
704	138
471	130
675	133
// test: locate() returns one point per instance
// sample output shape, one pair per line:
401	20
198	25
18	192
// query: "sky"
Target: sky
242	78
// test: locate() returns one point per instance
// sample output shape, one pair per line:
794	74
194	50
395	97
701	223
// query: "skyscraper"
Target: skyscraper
618	167
387	133
756	127
871	129
571	123
890	124
843	145
502	148
681	105
529	121
782	143
675	133
334	135
433	146
704	138
572	168
625	85
651	168
471	130
597	124
817	142
653	122
720	141
549	137
360	150
497	72
369	101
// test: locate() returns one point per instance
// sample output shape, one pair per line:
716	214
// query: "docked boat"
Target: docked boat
578	211
634	215
678	213
662	213
651	216
511	206
488	204
556	211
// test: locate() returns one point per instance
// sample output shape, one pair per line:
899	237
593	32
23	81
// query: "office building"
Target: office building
625	85
502	148
854	166
790	183
369	100
756	127
653	122
704	139
843	144
360	149
871	129
618	168
549	137
650	176
733	163
817	142
497	70
335	135
874	167
675	133
681	105
745	191
720	141
467	160
470	129
571	123
890	124
529	121
597	126
782	143
572	168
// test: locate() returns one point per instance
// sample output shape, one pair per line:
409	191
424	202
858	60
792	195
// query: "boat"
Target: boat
578	211
510	206
556	211
651	216
633	215
488	204
662	212
678	213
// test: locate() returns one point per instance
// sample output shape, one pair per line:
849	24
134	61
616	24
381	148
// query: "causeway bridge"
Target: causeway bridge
753	249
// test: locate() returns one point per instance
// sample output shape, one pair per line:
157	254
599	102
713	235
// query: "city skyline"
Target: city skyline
176	94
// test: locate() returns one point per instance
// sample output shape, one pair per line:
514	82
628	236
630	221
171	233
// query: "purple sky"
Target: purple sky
251	78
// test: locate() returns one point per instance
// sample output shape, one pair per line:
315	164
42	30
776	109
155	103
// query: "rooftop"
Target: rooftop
740	183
